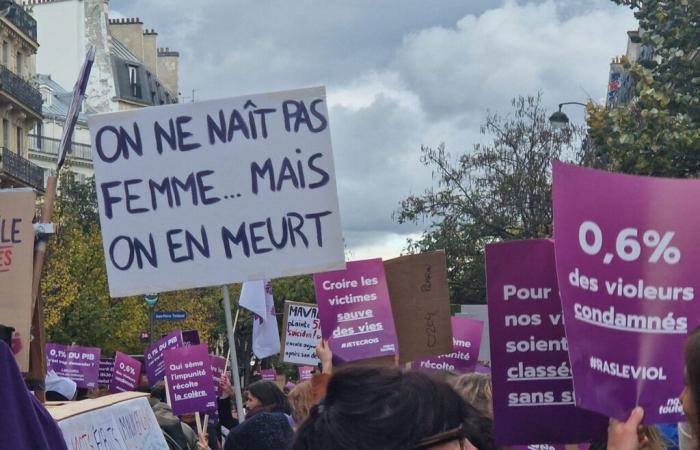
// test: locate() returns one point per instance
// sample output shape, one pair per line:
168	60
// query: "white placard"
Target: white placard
217	192
302	331
127	425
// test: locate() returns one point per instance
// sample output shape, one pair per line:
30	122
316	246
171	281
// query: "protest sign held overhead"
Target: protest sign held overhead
189	379
80	364
218	366
126	373
533	395
302	331
16	257
628	278
106	372
217	192
355	311
466	339
153	358
420	303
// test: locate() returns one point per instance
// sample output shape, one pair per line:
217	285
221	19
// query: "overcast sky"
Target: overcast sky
399	74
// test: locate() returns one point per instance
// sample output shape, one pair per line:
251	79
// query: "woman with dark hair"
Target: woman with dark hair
265	396
382	408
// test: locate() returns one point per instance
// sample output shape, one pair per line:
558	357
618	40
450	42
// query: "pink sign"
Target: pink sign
269	374
305	373
355	311
190	383
127	371
466	339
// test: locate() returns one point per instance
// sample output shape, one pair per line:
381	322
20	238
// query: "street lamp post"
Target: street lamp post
560	120
151	300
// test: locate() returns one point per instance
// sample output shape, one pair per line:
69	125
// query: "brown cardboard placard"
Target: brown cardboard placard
16	266
420	302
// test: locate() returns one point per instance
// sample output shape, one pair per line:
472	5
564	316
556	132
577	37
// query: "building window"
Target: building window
19	64
5	53
39	133
5	133
134	81
19	140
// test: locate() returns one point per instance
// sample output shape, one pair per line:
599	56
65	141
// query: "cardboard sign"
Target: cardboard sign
533	395
190	383
302	332
355	311
628	273
217	192
128	423
420	303
155	366
16	261
125	376
80	364
106	372
466	339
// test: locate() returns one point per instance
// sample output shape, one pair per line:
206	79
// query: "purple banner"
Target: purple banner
190	383
305	373
127	371
355	311
106	372
218	364
466	339
533	395
155	366
190	338
628	275
268	374
80	364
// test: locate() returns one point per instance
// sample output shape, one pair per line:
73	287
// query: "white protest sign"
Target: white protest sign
302	331
217	192
130	424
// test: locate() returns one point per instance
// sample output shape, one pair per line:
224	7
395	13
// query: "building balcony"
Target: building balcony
19	171
20	90
22	20
49	147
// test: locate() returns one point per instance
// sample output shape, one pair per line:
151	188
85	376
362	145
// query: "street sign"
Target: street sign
171	315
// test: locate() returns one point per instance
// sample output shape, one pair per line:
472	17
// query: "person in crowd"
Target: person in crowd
176	431
475	389
265	396
301	401
383	408
59	388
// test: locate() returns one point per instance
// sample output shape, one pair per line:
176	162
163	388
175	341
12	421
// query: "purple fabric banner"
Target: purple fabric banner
155	367
127	371
190	382
466	339
106	371
190	338
355	311
268	374
305	373
218	364
80	364
533	395
628	275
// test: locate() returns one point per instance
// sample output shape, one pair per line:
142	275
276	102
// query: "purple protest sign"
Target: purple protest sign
126	373
155	367
218	365
80	364
190	338
533	396
305	373
268	374
106	371
466	339
628	275
355	311
189	379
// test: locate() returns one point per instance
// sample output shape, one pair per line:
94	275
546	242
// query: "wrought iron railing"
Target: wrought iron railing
23	170
20	89
50	146
22	20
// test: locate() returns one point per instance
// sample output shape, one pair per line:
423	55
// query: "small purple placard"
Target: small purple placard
106	371
355	311
268	374
80	364
305	373
127	371
189	379
155	367
218	364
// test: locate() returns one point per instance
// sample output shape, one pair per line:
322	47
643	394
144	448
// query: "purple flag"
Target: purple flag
127	371
533	395
355	311
155	367
106	371
190	383
466	339
628	275
80	364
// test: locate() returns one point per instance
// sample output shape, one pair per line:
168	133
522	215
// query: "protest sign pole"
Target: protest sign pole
232	354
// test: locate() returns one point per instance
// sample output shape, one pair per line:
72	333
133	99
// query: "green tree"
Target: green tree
499	191
658	133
